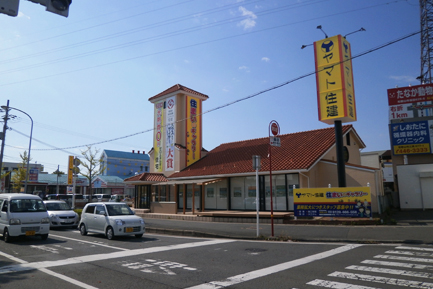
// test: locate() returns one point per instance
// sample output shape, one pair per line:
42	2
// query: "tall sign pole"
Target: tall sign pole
256	166
335	90
274	128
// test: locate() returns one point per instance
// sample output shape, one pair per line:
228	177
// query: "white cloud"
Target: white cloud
403	78
20	14
266	59
244	68
249	22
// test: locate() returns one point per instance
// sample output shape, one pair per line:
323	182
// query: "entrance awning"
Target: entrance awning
186	182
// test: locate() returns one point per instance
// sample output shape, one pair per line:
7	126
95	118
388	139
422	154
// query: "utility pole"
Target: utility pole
3	137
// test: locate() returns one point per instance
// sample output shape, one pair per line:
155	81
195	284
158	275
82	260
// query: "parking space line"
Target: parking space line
88	242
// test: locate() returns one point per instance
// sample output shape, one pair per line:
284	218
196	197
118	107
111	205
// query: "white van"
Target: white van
23	215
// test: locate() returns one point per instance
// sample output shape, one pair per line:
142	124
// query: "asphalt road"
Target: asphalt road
69	260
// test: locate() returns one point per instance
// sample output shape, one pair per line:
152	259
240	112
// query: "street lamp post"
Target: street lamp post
30	143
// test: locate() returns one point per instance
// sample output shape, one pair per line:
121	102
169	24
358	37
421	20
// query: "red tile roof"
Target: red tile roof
178	87
147	177
298	151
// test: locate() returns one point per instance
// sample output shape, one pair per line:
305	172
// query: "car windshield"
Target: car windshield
119	210
27	205
58	207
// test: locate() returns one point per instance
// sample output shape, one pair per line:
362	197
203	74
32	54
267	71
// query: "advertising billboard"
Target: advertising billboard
412	137
170	133
334	80
333	202
193	130
410	102
157	138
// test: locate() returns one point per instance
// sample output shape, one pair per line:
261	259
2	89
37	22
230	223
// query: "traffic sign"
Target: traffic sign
275	129
275	141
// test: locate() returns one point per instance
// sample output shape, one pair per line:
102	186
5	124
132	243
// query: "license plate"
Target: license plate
129	230
30	233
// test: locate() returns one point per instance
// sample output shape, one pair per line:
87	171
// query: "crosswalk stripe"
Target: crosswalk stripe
391	271
409	253
410	259
384	280
337	285
398	264
415	248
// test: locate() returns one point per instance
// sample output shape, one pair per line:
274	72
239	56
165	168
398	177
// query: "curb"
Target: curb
198	234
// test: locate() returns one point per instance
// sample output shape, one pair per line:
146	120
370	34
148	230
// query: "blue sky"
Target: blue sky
86	79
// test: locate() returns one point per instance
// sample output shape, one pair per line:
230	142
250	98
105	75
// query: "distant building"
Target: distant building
6	184
124	164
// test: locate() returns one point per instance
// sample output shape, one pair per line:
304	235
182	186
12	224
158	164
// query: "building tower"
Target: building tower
177	138
426	7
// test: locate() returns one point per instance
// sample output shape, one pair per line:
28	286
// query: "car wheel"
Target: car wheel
110	233
83	230
6	236
44	236
138	235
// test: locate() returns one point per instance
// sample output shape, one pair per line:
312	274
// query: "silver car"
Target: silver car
61	214
110	219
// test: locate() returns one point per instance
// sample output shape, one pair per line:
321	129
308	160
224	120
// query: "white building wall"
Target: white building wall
415	183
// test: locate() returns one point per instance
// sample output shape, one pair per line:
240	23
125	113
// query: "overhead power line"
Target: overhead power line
158	37
247	97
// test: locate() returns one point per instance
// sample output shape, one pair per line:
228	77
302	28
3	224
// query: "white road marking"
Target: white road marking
409	253
88	242
414	248
391	271
383	280
400	258
106	256
49	272
166	267
45	248
398	264
273	269
337	285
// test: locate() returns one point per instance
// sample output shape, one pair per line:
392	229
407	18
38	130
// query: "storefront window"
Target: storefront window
279	193
243	193
180	191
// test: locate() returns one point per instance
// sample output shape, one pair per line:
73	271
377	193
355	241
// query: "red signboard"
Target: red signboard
410	94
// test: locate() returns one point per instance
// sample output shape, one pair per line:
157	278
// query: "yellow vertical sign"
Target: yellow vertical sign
70	169
334	79
193	130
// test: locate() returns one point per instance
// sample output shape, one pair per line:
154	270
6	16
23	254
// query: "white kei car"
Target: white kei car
61	214
111	219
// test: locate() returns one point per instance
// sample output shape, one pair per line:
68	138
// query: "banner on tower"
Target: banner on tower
170	133
193	130
157	138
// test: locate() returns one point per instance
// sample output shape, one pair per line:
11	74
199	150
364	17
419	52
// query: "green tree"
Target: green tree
92	165
19	176
57	172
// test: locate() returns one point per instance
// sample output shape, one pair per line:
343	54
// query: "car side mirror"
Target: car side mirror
102	213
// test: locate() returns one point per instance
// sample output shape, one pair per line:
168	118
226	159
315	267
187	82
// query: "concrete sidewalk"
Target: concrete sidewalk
415	227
